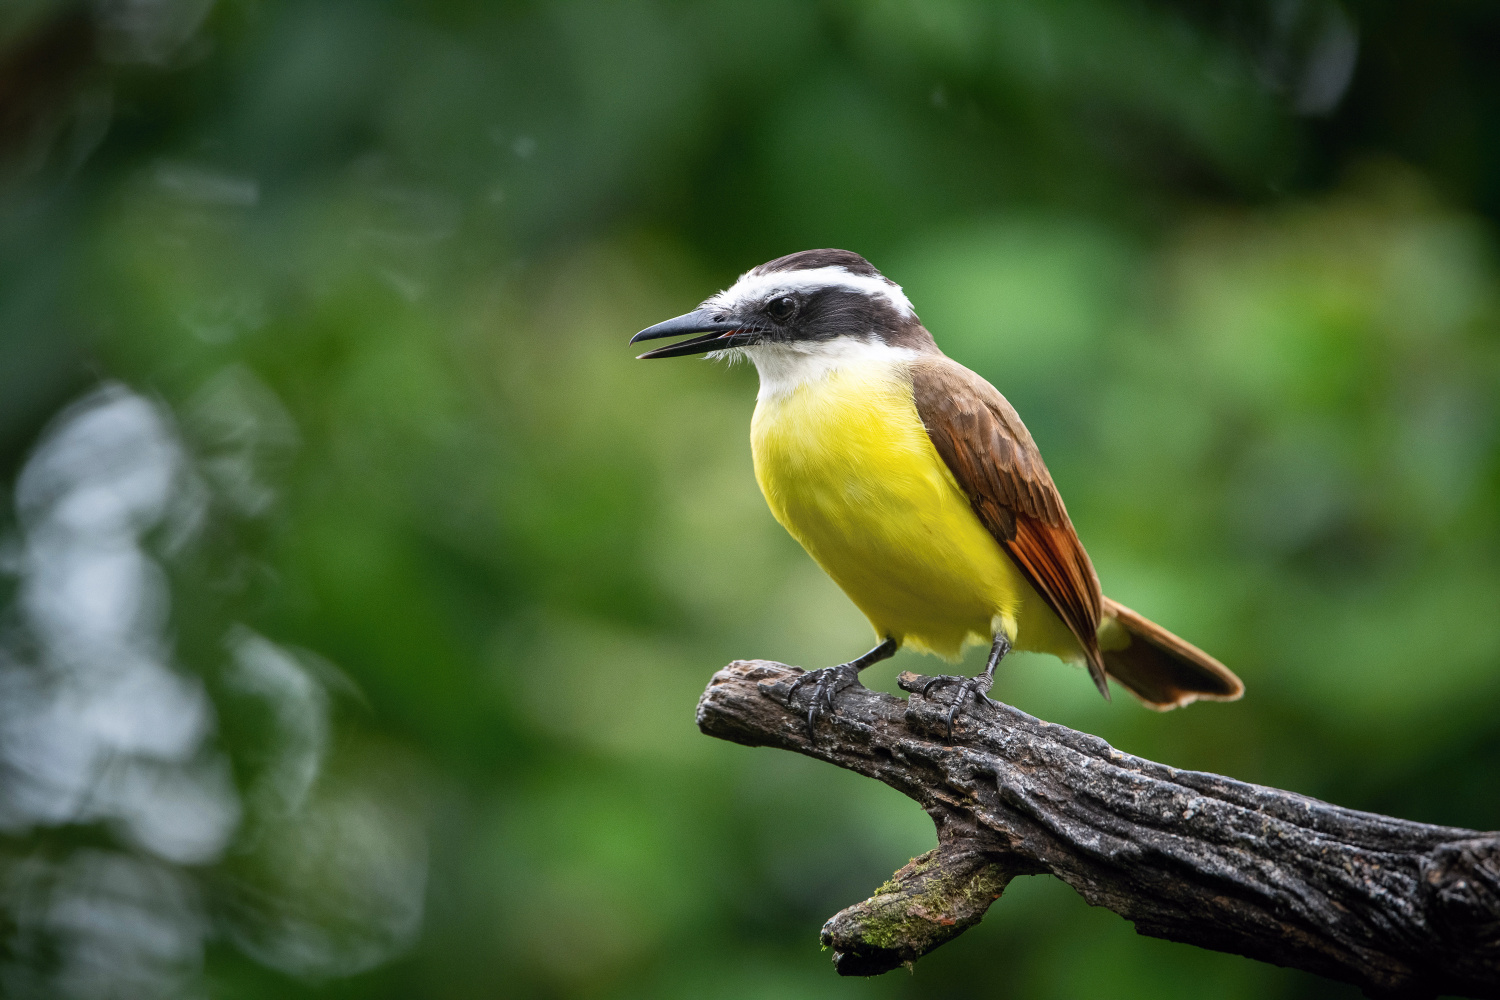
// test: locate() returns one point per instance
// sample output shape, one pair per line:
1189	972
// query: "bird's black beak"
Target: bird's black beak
719	332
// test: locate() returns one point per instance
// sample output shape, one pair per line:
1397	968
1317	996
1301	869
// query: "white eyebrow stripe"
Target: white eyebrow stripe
756	287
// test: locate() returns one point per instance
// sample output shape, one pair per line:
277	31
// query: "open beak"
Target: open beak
718	333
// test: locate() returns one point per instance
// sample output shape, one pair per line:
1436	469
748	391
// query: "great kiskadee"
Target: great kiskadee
913	483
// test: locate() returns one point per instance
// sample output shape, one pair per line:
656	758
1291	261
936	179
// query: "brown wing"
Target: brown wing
991	455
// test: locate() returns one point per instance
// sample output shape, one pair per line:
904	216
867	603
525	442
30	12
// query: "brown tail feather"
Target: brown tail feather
1157	667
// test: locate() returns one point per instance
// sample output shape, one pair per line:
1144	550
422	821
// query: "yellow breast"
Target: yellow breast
847	467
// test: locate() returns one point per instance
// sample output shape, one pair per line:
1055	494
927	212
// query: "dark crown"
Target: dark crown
807	260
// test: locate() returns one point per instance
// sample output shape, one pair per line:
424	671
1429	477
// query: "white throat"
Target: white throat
784	368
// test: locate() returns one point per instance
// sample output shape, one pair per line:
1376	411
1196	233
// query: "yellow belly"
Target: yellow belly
848	469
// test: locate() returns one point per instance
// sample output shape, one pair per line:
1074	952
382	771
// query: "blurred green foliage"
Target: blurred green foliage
444	570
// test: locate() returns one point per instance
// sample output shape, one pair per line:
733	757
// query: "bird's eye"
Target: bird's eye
781	309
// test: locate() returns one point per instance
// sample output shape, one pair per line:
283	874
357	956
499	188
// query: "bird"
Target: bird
914	484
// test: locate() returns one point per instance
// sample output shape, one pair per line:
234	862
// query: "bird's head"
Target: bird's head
813	305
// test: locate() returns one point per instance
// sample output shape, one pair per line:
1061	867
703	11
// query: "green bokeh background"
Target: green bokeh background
386	256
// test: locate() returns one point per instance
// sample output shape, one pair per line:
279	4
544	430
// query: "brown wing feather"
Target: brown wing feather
991	455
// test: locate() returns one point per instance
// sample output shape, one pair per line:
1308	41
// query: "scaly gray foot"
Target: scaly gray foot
827	682
974	688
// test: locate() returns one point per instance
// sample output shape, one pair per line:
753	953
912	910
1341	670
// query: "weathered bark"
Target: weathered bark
1394	907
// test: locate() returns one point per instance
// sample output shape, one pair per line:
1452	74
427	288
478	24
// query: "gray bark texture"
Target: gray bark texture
1399	909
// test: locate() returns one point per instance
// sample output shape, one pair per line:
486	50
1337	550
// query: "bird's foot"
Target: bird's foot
974	688
827	682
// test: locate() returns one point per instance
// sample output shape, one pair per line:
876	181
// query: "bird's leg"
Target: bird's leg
829	681
977	686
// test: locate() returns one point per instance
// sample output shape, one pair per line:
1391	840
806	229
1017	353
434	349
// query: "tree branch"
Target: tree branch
1396	908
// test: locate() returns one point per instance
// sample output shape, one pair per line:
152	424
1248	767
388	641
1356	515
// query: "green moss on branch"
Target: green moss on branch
932	900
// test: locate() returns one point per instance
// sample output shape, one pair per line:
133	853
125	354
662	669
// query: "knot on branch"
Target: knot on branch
1463	881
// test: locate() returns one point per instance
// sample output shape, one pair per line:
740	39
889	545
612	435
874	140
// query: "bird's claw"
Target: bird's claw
827	682
930	682
976	687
